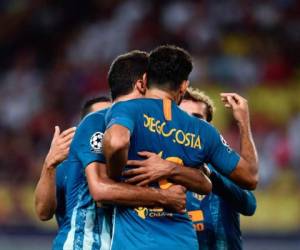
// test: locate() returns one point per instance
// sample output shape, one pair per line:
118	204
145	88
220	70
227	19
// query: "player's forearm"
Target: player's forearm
45	193
249	170
247	147
242	201
111	192
193	179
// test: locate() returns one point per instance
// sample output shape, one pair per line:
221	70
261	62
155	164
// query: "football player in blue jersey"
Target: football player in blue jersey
219	225
50	192
216	215
156	124
88	225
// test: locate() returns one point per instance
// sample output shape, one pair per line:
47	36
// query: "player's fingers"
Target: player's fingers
144	183
181	188
66	140
68	137
56	132
65	146
237	98
146	154
135	163
137	179
135	171
68	131
228	94
231	101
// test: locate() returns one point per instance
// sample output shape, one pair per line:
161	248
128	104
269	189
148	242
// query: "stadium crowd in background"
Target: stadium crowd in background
52	57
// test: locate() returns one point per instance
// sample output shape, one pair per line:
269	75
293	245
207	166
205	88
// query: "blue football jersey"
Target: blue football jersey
60	179
160	126
86	226
216	216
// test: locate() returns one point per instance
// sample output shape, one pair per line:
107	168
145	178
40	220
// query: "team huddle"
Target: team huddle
146	170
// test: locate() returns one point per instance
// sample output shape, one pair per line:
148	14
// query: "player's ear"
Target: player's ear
145	79
183	87
141	86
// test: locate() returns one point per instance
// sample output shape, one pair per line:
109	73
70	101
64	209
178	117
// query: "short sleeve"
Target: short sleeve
220	155
123	114
242	201
88	139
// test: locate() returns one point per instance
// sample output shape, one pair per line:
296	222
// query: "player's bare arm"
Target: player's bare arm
107	191
45	192
116	145
154	168
246	172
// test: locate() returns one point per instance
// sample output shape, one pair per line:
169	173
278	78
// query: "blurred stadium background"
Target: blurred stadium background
56	53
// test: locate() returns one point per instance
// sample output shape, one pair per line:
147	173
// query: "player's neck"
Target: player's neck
127	97
159	94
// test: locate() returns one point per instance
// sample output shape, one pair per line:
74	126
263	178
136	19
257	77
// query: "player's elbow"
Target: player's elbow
250	182
45	217
246	176
44	214
101	193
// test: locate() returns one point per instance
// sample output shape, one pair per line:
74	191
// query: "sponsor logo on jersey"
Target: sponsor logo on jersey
144	212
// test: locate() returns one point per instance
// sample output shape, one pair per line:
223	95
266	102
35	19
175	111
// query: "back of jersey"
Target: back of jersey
160	126
157	126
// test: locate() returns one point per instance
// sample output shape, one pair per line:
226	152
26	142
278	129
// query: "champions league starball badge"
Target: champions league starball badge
96	142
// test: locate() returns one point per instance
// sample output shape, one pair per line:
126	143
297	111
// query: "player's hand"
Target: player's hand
146	171
60	146
205	169
175	198
239	106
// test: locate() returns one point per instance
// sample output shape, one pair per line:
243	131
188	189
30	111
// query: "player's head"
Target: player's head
168	69
196	103
95	104
126	74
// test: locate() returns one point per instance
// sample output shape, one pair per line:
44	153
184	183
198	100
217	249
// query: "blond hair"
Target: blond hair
199	96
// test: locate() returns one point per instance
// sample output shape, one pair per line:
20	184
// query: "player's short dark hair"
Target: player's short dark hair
168	67
86	107
125	70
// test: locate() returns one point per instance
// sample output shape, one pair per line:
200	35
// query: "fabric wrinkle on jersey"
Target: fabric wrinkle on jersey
183	139
85	225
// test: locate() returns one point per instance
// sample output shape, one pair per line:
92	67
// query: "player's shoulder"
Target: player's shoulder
97	117
100	114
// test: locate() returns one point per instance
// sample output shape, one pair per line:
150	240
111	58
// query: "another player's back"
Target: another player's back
162	127
159	127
